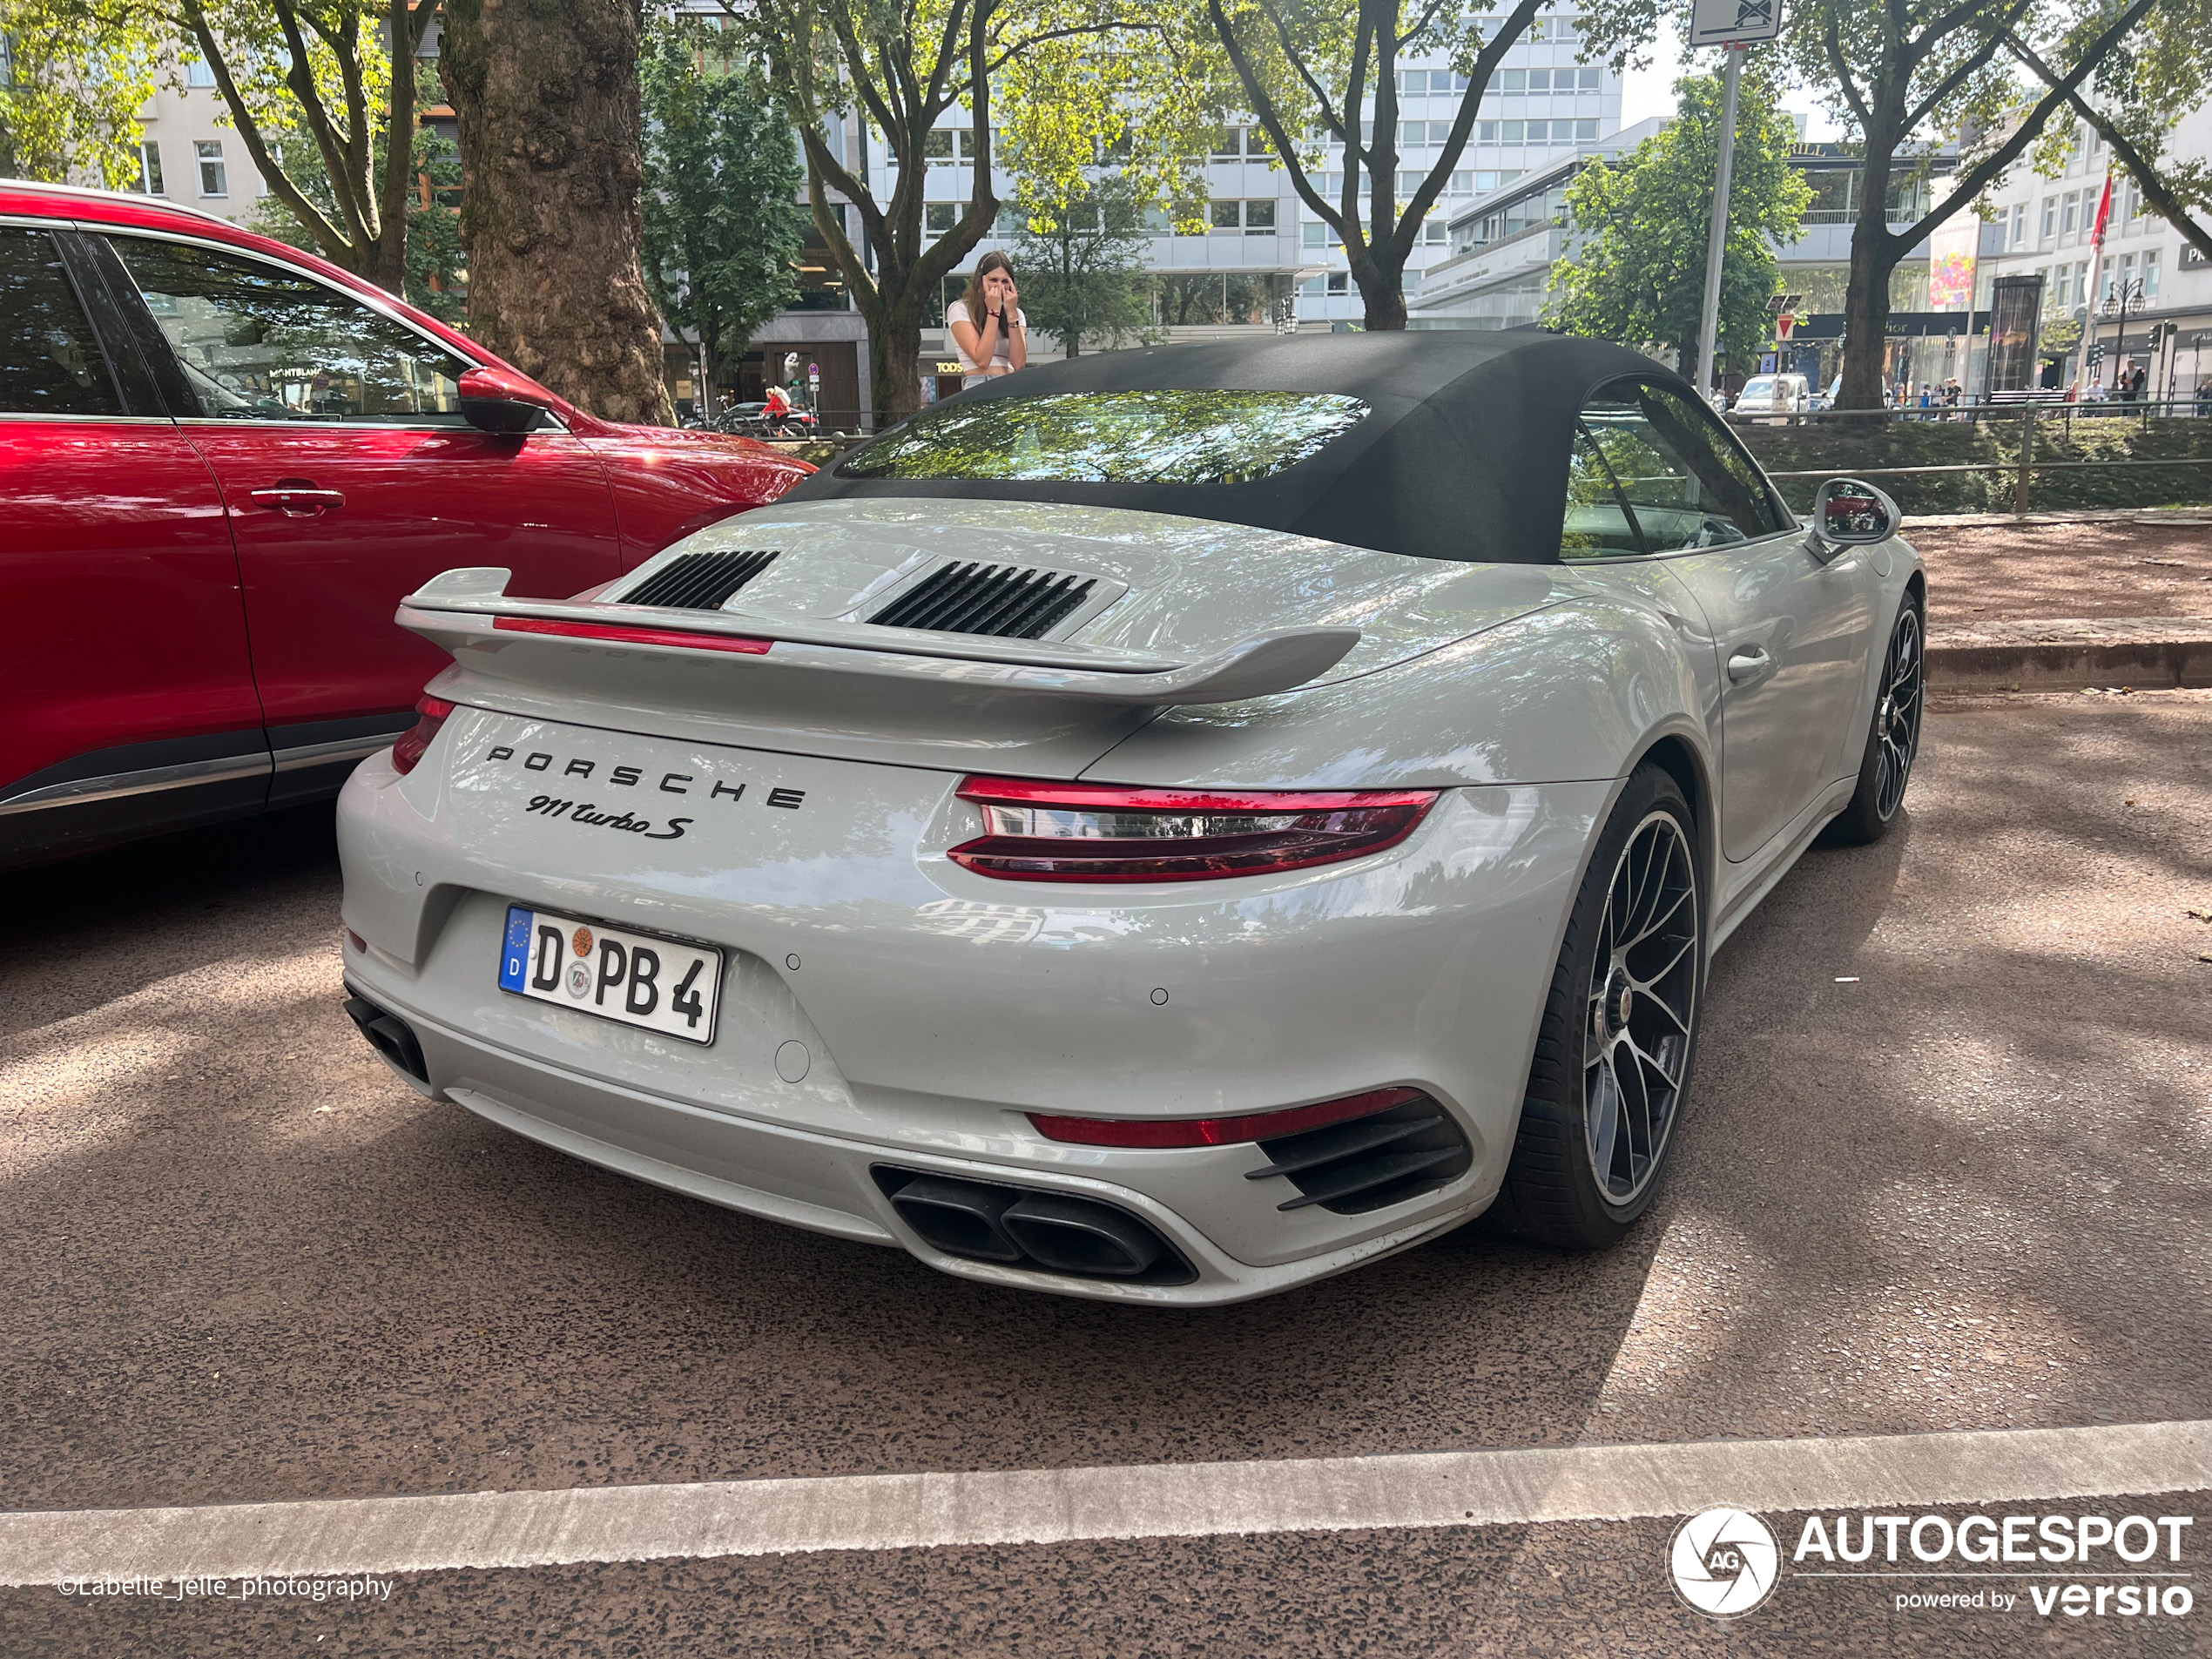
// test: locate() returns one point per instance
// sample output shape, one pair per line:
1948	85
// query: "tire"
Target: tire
1590	1154
1893	736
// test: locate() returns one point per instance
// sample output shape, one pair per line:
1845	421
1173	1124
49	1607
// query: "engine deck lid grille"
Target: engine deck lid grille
1005	601
700	581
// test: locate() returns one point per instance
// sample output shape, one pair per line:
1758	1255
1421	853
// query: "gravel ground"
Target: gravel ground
2064	568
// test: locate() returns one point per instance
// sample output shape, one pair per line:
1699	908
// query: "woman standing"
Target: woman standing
990	335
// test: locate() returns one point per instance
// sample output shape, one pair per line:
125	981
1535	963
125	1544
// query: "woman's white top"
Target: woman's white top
957	312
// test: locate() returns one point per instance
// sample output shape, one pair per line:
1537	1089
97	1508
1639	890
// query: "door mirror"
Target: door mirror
498	400
1849	513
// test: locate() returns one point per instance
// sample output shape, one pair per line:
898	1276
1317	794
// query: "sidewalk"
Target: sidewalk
2064	601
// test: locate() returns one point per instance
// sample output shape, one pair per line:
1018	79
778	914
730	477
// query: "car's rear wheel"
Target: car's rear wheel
1892	738
1613	1051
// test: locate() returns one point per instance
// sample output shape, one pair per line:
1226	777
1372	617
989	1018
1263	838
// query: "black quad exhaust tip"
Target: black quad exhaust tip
1054	1232
959	1217
388	1034
1076	1236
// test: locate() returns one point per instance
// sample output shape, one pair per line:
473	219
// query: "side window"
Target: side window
50	361
1684	483
1599	524
1727	480
259	342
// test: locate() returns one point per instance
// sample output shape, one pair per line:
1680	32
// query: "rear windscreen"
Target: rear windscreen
1151	437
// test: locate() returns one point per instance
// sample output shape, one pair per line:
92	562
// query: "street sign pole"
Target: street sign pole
1735	25
1709	321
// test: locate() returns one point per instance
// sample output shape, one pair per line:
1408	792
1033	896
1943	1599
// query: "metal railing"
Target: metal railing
2006	409
2022	414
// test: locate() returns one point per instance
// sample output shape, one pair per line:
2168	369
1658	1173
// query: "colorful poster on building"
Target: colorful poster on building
1950	263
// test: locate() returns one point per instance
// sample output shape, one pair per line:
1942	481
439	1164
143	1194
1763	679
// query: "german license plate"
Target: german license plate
665	985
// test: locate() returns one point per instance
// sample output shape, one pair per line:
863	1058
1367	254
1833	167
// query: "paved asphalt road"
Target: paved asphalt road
1948	1167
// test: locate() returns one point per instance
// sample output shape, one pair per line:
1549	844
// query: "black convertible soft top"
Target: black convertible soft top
1464	455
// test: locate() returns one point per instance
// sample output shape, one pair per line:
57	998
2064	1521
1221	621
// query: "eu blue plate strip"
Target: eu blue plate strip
515	957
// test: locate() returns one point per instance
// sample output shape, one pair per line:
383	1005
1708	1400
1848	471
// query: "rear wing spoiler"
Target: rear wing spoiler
467	612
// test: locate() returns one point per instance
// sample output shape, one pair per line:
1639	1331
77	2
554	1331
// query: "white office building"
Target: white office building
2044	227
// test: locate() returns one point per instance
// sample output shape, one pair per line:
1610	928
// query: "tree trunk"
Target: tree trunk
894	356
1873	256
1385	305
547	98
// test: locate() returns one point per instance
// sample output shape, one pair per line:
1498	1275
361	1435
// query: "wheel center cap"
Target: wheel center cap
1618	1002
1887	715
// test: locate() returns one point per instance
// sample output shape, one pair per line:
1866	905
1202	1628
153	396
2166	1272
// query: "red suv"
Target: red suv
222	462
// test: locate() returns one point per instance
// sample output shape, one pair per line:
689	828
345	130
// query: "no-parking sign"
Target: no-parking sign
1734	22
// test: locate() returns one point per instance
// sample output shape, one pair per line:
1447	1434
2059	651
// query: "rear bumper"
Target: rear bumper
825	1184
881	1006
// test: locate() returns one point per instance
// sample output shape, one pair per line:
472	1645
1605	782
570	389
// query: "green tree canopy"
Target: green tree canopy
1636	272
723	223
75	77
318	70
1080	256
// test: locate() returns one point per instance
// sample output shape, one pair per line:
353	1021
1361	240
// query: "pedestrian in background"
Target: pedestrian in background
990	335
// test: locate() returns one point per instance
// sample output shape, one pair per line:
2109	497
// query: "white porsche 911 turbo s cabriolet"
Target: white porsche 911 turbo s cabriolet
1168	826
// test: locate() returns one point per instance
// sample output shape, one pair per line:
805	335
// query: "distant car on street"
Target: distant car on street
1165	825
223	462
1774	394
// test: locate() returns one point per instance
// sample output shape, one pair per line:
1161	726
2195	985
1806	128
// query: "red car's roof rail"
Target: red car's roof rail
127	197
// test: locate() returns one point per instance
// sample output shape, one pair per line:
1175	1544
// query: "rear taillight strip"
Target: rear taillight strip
615	634
1035	831
407	749
1168	1132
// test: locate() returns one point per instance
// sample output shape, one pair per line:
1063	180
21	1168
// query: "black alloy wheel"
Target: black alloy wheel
1642	1002
1619	1034
1892	740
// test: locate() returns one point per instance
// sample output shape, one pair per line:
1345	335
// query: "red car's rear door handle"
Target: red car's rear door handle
297	500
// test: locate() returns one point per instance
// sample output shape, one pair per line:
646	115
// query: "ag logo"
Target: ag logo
1724	1562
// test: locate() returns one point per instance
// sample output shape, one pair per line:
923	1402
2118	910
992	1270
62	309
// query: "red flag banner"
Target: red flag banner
2104	215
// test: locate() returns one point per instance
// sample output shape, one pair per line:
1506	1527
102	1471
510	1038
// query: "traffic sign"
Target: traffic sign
1734	22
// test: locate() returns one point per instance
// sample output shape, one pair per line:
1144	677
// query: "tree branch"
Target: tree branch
2154	188
1958	77
950	249
300	76
1334	122
1271	118
1478	84
405	25
1832	47
1964	190
333	240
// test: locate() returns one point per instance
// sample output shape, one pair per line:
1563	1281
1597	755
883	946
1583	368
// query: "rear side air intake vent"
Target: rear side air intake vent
700	581
1382	1158
999	599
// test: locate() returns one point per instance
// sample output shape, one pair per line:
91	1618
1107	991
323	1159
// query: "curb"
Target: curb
2144	665
2182	516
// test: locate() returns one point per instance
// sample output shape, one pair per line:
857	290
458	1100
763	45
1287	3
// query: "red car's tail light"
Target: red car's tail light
1217	1131
407	753
1051	832
615	634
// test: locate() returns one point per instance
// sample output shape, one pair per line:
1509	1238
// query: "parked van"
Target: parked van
1774	394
